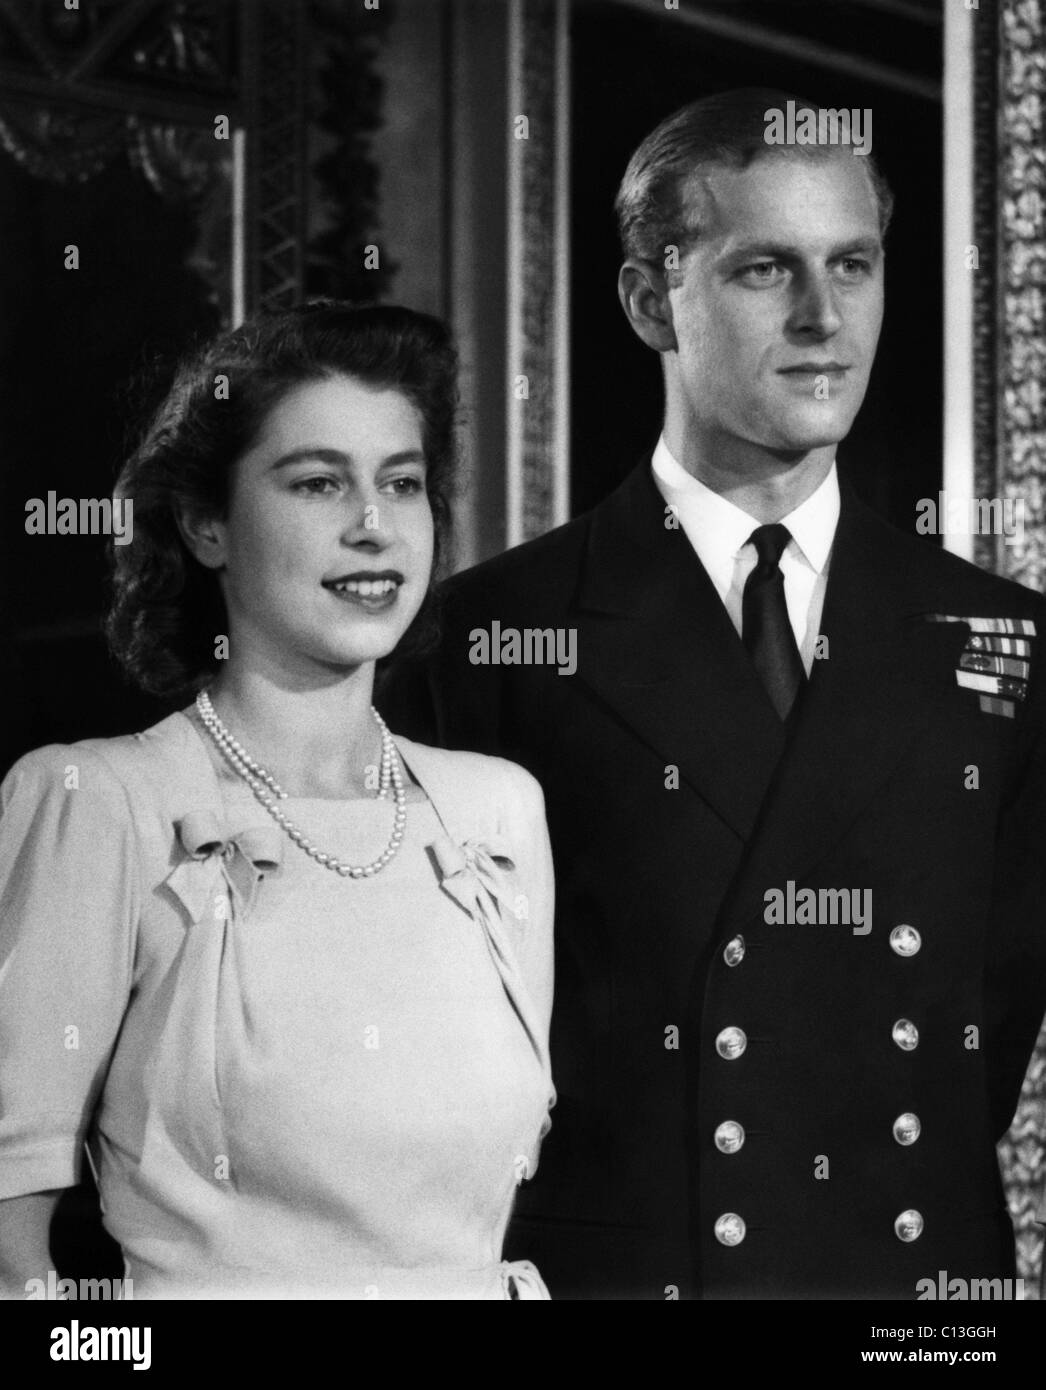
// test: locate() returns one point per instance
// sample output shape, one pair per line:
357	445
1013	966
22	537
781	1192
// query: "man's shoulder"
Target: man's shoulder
959	583
528	563
541	574
545	571
946	582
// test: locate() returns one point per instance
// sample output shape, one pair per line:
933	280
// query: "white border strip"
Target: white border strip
958	280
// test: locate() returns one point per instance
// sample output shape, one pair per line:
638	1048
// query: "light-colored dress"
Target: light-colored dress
291	1084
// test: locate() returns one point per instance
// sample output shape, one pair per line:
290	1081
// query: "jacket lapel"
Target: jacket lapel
864	707
655	644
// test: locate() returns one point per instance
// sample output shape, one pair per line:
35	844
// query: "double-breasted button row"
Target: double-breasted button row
729	1136
905	941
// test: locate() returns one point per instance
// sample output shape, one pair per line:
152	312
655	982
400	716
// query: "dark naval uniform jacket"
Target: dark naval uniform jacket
752	1103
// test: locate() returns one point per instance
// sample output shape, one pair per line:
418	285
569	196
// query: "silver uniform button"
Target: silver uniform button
729	1136
907	1128
731	1042
905	940
734	950
905	1035
909	1225
730	1229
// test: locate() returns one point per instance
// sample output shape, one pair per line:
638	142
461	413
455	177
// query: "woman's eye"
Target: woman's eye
314	487
408	486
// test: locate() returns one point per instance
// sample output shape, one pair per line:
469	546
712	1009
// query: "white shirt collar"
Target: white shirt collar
717	528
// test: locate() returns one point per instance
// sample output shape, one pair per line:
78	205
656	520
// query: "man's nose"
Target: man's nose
816	311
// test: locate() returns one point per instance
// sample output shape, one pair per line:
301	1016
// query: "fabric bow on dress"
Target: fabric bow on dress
474	870
209	1009
236	863
478	875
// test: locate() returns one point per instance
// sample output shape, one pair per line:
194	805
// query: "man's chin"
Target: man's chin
804	435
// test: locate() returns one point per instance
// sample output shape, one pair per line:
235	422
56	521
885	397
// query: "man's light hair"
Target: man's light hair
726	129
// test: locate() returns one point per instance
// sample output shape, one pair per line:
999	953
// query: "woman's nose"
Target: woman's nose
367	522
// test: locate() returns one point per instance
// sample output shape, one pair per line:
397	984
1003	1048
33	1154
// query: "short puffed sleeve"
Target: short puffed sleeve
69	903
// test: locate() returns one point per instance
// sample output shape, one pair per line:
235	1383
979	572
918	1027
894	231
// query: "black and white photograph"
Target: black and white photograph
522	621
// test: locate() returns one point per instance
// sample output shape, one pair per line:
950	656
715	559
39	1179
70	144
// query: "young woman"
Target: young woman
287	975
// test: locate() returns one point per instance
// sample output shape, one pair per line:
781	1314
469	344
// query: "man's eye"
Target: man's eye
762	271
855	265
315	487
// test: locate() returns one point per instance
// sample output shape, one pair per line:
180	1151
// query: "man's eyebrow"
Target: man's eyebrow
770	250
320	454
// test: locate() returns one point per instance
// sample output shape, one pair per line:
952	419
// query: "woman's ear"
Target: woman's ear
205	536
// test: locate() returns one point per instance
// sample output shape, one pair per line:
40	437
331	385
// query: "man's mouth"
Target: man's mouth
372	590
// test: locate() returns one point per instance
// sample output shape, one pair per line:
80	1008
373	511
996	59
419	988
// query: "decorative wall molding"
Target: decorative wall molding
1012	194
538	443
275	49
347	108
986	316
1021	268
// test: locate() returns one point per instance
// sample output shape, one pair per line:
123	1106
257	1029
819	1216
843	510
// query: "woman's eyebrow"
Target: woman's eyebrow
314	452
320	454
404	456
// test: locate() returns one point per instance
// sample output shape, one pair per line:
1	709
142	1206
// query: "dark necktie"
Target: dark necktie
765	629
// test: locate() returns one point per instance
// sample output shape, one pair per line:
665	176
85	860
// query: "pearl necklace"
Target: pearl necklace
267	790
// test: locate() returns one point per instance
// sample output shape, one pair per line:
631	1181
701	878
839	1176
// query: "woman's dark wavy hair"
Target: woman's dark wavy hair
167	609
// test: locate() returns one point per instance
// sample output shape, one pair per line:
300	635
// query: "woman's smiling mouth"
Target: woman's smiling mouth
374	591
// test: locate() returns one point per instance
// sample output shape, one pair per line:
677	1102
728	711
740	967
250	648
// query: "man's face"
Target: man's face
779	304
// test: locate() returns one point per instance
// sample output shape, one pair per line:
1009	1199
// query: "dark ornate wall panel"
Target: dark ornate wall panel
275	54
140	80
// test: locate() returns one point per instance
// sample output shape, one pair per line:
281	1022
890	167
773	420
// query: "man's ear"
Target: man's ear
205	536
643	291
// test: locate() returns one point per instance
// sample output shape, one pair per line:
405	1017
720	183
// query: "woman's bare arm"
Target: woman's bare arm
25	1246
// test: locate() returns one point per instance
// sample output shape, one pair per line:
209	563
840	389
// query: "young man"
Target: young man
796	785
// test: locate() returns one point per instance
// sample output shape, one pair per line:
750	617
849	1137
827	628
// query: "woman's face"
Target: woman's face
326	550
